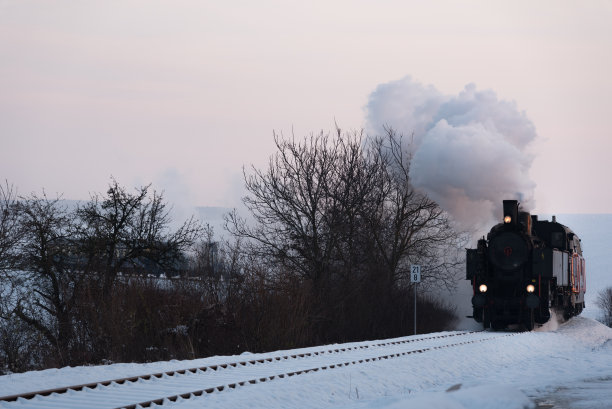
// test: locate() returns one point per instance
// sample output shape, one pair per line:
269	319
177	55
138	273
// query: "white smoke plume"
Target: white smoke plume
470	151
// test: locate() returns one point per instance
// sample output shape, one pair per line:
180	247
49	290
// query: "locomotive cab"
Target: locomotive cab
524	268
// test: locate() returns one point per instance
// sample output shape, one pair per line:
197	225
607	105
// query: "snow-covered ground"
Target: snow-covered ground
567	367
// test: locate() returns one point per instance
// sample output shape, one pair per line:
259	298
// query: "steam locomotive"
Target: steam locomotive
524	269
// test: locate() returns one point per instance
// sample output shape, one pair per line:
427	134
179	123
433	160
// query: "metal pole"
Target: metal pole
415	298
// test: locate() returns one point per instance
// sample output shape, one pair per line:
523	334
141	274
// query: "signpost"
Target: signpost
415	278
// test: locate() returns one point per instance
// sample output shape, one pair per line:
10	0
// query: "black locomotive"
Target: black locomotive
524	269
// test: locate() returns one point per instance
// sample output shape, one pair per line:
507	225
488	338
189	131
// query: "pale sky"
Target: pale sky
184	93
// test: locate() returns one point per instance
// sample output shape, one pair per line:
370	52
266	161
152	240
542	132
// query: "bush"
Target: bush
604	301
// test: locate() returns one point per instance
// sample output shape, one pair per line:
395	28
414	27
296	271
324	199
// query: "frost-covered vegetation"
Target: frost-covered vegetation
604	302
336	225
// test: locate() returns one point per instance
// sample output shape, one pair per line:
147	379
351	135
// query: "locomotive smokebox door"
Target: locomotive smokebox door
511	212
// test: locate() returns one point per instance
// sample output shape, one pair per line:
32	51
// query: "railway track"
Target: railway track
192	383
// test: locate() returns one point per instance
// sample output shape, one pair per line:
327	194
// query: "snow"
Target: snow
570	366
482	397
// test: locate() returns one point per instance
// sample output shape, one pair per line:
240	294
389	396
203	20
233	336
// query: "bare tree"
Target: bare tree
10	228
409	227
69	262
49	273
18	342
339	213
604	301
131	231
325	200
289	206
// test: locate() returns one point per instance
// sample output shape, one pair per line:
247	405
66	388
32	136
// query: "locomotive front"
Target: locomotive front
501	272
525	268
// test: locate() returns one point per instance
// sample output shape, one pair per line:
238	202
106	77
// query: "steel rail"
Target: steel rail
215	367
234	385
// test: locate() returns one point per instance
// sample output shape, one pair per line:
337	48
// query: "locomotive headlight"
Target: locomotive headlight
483	288
530	288
507	219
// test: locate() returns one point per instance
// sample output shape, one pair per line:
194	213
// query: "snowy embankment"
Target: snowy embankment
553	365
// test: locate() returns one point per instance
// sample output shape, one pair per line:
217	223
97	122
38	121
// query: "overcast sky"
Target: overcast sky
184	93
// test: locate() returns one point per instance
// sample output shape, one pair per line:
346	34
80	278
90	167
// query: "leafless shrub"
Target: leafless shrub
604	302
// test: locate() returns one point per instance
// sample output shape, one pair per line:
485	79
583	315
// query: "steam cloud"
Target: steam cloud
470	151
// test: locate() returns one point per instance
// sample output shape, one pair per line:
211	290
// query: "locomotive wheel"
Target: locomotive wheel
486	318
497	325
529	320
478	314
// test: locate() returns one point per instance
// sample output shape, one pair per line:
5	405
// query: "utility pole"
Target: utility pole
415	278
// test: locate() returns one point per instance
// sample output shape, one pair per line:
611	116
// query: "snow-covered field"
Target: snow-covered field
567	367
